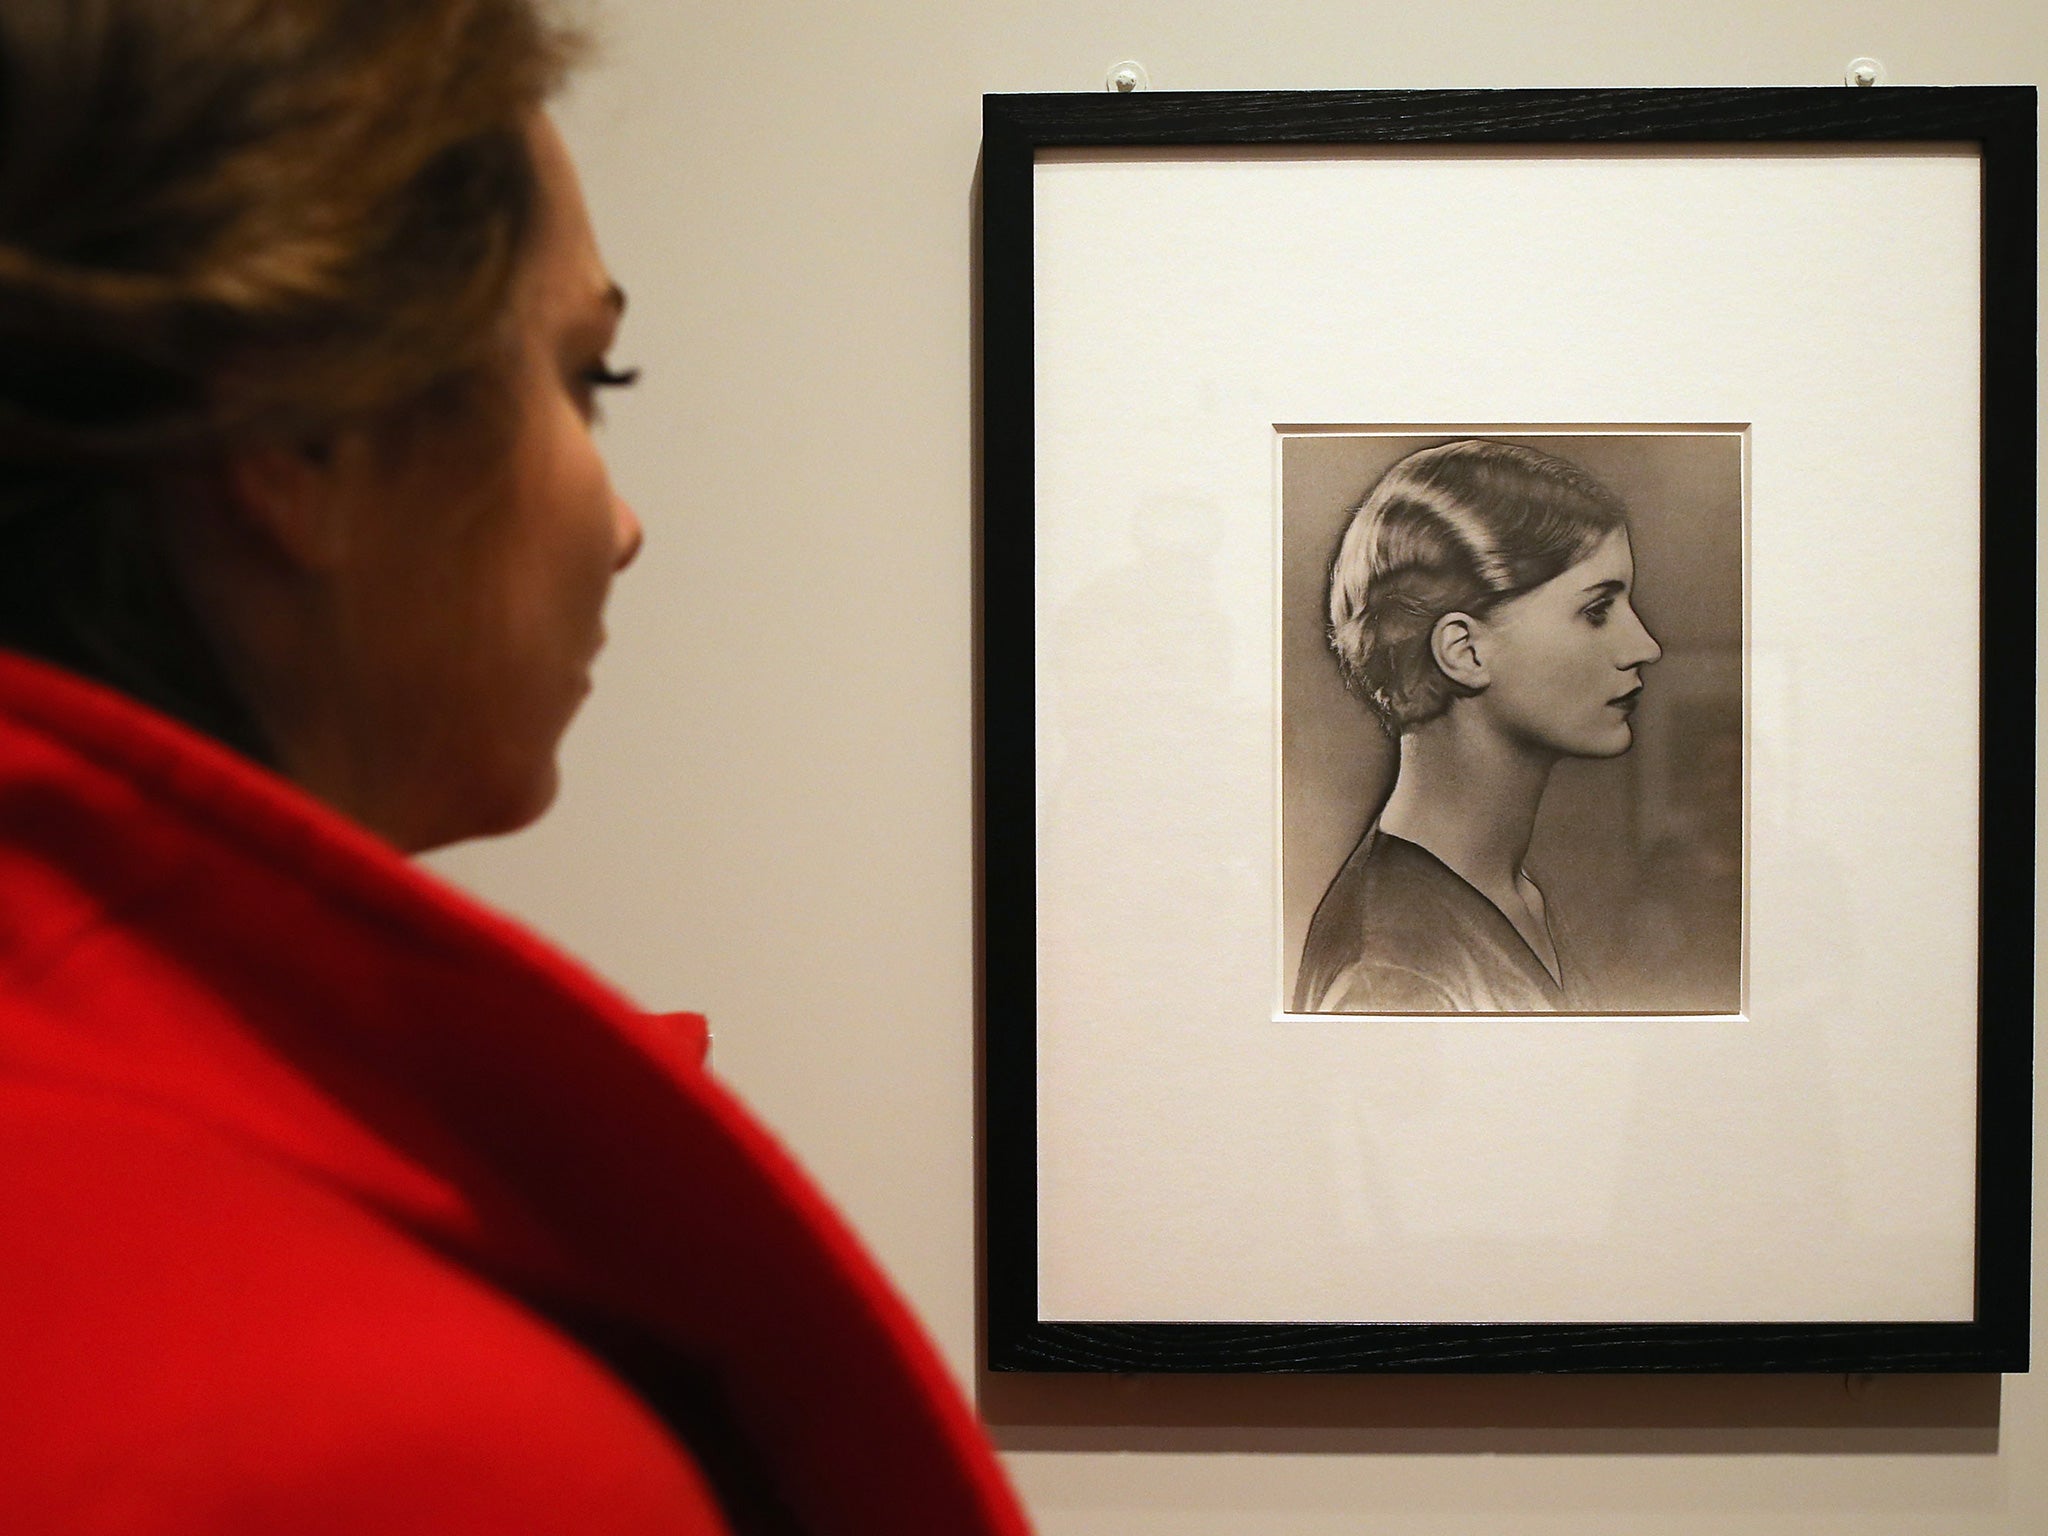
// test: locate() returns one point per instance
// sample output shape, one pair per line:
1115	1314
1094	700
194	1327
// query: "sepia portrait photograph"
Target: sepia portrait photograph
1511	721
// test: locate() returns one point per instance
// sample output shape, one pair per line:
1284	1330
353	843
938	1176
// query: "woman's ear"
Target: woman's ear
1454	643
301	500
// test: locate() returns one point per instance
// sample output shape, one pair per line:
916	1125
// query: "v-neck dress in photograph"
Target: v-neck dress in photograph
1399	931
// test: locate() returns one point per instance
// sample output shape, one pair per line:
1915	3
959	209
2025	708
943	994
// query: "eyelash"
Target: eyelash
1598	614
604	376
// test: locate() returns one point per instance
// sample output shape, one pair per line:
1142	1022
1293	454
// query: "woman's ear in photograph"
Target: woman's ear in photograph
1454	644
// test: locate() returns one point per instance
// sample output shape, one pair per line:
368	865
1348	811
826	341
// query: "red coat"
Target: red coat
321	1187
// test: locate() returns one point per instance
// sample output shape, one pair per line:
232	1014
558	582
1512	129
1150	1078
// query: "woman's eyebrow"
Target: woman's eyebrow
1614	586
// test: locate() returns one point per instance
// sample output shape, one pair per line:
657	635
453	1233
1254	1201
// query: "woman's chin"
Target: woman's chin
526	803
492	810
1611	742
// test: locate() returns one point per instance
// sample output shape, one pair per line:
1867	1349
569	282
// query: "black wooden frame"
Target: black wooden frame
2001	122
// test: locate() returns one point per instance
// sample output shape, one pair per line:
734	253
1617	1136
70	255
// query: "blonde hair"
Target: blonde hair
1460	527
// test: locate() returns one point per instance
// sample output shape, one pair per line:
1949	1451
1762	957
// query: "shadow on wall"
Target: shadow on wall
1516	1415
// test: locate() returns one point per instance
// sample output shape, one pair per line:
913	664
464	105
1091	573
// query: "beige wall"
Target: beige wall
769	813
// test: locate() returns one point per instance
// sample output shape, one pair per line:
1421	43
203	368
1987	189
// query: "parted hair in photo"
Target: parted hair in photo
1512	722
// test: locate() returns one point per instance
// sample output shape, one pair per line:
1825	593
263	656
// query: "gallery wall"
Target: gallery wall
769	812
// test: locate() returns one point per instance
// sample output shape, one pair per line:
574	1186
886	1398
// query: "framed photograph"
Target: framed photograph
1637	834
1507	639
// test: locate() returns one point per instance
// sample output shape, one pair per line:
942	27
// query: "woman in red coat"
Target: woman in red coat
328	1200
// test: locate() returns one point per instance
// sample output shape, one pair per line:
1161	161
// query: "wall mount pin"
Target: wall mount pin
1126	76
1864	72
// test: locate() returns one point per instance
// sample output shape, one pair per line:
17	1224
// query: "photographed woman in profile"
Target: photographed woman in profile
330	1201
1481	606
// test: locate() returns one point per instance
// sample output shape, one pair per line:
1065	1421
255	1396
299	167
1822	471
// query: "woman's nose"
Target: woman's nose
1643	648
626	532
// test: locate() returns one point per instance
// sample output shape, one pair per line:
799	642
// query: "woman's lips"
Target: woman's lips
1627	702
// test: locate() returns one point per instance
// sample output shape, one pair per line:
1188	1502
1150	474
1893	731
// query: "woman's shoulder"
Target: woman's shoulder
285	1137
1398	931
279	1350
1377	984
